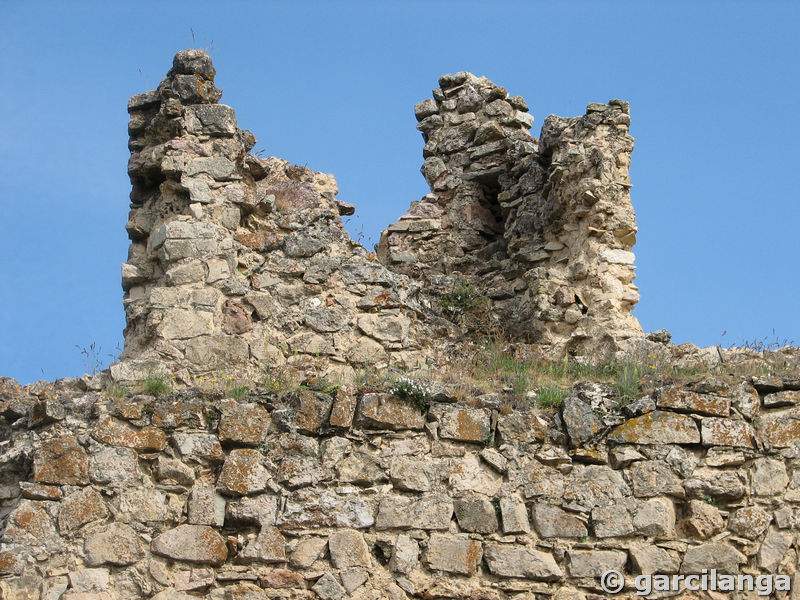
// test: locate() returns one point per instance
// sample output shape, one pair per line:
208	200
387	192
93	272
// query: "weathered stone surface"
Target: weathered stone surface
593	563
307	412
243	473
429	511
594	485
726	432
114	432
199	445
311	510
612	521
648	559
348	549
62	461
784	398
89	580
384	411
463	424
38	491
328	588
360	469
344	407
282	579
712	555
269	546
769	477
514	515
780	428
244	424
114	465
475	514
30	525
191	543
81	507
116	544
145	505
657	427
518	561
773	550
206	507
453	554
551	522
654	478
682	400
174	471
720	485
412	474
252	510
749	521
405	555
579	419
702	520
494	459
307	551
469	474
522	427
655	518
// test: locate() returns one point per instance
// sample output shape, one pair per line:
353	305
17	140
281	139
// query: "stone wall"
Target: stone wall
310	495
543	228
239	263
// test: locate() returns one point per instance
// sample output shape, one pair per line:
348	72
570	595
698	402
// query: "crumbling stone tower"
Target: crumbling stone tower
543	228
239	263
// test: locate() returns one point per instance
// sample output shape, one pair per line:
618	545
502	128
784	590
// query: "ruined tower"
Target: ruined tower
542	228
239	263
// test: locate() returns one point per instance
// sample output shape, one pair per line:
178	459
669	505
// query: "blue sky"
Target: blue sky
713	88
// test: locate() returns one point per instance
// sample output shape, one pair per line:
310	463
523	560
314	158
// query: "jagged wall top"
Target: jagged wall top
542	228
239	263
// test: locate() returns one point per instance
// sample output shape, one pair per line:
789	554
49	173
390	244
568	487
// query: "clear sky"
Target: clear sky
713	88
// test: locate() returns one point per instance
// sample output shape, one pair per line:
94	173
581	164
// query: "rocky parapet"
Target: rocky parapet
239	263
541	228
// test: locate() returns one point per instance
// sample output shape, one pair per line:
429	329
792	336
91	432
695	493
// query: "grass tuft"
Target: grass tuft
156	385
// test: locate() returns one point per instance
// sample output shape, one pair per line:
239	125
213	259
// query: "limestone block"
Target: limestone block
453	554
191	543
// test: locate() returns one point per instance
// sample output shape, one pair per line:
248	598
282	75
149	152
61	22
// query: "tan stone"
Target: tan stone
29	524
79	508
344	407
243	473
245	424
426	511
712	555
453	554
117	544
727	432
348	549
114	432
282	579
463	424
682	400
780	428
269	546
657	427
749	521
62	461
593	563
519	561
191	543
384	411
551	521
702	520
